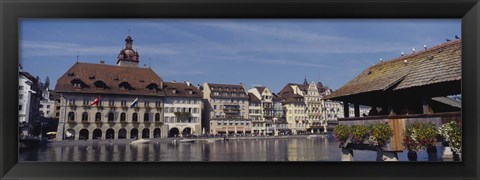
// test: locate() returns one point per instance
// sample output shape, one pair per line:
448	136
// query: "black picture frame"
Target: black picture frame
11	11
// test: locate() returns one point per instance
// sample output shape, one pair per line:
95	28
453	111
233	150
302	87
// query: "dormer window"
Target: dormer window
125	86
71	74
219	89
91	77
100	85
174	91
77	83
190	92
152	87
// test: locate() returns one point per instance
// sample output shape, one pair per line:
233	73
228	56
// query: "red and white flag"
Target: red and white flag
95	102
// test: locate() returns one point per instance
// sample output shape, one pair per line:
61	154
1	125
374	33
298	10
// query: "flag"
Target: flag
95	102
134	103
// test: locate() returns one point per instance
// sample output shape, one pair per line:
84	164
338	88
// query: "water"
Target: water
286	149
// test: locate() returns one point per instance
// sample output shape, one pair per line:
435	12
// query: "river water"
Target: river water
280	149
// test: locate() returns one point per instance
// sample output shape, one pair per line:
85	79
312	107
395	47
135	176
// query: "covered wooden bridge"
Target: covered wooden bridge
410	88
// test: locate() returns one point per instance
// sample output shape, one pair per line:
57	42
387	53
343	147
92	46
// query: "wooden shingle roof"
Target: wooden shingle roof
441	63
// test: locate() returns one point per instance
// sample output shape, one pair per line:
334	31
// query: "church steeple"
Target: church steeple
127	56
305	82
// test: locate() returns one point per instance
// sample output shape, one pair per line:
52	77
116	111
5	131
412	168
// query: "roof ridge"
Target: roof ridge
422	52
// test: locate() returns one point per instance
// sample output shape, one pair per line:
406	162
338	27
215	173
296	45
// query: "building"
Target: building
111	101
263	99
226	109
50	104
293	101
313	106
183	109
29	97
280	124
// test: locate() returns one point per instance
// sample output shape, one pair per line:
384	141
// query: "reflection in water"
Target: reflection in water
291	149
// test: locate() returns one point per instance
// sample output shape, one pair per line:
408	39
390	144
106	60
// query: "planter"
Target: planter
412	155
457	156
432	153
347	154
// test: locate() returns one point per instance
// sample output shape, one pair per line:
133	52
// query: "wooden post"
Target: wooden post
346	109
426	106
357	110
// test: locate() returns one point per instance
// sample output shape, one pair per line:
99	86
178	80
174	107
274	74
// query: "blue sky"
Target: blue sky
253	52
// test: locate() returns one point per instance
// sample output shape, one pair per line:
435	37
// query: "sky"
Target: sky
266	52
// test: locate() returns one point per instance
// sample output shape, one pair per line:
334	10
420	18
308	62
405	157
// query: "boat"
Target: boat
314	136
140	141
213	140
187	140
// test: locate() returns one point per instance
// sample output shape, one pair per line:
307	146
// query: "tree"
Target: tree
47	83
322	88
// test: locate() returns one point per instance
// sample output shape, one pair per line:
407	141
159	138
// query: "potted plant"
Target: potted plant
341	133
452	134
421	136
380	134
359	133
410	142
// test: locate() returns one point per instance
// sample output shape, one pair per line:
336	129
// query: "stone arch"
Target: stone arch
97	133
110	134
122	133
156	133
173	132
187	131
145	133
83	134
133	133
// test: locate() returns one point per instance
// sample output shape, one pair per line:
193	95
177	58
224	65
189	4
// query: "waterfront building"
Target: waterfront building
226	109
255	114
183	109
263	125
111	101
313	106
280	123
293	101
29	97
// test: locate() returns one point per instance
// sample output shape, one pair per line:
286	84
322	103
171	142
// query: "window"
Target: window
215	93
20	96
110	116
71	116
20	87
48	112
158	104
214	106
146	104
134	117
98	116
146	117
20	107
123	103
86	102
157	117
71	101
84	116
111	102
48	106
123	117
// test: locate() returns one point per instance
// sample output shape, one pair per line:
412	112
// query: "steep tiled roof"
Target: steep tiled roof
254	98
90	75
228	91
181	90
438	64
288	96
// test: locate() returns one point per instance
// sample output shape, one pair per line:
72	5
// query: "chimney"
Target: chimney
173	81
102	61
